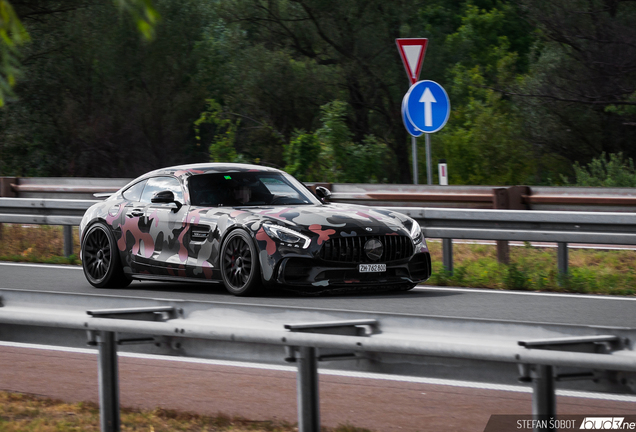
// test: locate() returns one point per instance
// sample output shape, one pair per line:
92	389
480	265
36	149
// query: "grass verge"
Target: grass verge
36	243
26	413
531	268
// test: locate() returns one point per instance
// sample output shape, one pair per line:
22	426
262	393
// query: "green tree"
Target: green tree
98	100
303	158
323	50
578	97
222	146
13	34
482	142
613	170
331	155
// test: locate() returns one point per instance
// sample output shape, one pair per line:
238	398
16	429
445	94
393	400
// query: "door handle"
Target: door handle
135	213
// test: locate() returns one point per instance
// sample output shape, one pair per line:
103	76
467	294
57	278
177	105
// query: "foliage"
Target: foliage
12	35
534	269
224	136
302	155
99	101
582	71
36	243
612	170
482	143
330	155
22	412
314	85
144	14
308	53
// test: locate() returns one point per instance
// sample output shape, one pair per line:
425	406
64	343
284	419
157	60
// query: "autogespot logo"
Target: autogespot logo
607	423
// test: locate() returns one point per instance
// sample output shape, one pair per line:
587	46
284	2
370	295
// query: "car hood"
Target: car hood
341	217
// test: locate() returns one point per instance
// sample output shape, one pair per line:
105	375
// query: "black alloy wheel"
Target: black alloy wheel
100	259
239	264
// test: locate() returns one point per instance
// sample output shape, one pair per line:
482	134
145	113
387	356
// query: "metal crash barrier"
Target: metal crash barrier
544	355
524	225
561	227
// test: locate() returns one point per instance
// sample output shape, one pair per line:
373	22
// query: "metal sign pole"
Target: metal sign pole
414	148
429	169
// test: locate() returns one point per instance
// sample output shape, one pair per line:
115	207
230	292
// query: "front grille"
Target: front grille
351	249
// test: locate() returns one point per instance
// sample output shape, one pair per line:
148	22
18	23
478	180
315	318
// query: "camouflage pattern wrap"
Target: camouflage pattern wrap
171	242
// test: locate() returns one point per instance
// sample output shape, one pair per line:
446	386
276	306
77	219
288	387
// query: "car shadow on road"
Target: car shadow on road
218	290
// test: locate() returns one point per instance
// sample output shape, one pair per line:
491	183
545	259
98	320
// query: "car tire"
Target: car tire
240	267
100	258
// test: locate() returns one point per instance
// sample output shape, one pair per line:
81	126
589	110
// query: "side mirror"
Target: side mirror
166	197
323	193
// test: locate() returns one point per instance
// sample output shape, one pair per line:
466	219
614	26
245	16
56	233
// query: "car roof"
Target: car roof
204	168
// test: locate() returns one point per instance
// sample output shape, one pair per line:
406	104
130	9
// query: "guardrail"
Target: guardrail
537	354
478	197
489	197
542	226
589	199
58	187
447	224
67	213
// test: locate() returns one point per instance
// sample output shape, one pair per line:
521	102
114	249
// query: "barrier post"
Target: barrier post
447	254
543	396
108	382
308	395
562	259
501	201
6	191
508	199
68	240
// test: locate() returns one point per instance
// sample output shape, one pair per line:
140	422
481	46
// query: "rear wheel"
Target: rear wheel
100	259
239	264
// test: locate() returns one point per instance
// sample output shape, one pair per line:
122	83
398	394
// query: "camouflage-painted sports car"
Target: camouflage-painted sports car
247	227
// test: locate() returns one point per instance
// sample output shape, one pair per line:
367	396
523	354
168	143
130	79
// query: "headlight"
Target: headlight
416	232
287	235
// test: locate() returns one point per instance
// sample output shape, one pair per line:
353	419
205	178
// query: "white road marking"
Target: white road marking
539	244
330	372
524	293
48	266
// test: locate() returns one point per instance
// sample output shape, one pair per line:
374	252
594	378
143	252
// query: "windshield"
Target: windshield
248	189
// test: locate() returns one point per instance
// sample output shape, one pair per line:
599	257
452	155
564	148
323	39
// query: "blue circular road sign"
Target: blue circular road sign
426	106
407	124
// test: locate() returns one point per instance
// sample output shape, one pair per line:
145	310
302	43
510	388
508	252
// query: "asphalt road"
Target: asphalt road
206	388
423	300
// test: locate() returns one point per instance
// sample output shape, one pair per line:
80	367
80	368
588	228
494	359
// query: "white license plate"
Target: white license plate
372	268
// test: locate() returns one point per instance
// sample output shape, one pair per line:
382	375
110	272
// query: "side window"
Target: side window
133	193
158	184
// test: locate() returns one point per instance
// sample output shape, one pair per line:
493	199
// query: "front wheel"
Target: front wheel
240	267
100	259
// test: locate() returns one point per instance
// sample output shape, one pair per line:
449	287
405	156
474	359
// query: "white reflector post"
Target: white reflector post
443	172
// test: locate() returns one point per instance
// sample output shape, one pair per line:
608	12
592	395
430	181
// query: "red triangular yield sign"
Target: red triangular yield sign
412	51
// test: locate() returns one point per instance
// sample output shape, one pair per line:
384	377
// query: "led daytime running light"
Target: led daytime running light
416	232
283	234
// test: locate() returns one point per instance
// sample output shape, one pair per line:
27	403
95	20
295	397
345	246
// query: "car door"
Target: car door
161	248
203	217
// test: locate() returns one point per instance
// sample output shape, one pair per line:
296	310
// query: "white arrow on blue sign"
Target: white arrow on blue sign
425	108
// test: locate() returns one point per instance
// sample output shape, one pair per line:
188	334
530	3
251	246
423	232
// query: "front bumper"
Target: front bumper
306	273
